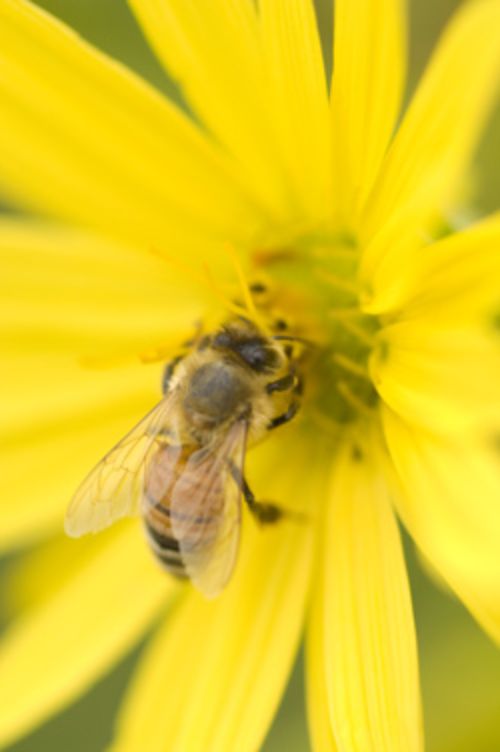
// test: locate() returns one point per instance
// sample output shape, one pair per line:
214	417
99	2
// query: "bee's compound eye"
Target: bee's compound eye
258	356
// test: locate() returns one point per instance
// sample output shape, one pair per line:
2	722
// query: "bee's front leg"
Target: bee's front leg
285	417
169	372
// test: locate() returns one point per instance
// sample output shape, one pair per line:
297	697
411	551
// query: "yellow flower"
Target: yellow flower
401	407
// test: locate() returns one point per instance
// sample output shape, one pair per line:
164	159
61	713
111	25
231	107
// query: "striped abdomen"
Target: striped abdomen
182	493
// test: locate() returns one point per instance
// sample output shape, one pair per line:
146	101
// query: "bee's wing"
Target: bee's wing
206	511
114	488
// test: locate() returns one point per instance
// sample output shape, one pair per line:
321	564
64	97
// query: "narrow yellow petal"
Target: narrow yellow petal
299	101
54	651
439	133
46	455
84	138
71	306
457	273
439	364
368	80
447	494
75	292
369	637
212	49
215	673
321	731
441	375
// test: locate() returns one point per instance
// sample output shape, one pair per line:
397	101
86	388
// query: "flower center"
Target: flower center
316	284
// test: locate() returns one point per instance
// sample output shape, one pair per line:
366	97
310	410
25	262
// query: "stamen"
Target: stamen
154	354
354	401
179	265
245	290
343	313
339	283
226	302
326	422
335	251
105	362
358	332
209	282
350	365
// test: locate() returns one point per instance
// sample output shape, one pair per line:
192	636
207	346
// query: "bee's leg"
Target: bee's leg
265	512
169	372
281	385
284	417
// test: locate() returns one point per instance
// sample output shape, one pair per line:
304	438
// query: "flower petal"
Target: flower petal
439	132
215	673
369	636
44	456
77	315
322	738
299	101
55	650
439	363
75	292
368	80
447	495
453	273
213	50
84	138
441	376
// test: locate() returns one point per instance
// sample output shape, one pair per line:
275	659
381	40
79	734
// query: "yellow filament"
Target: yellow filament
358	332
216	290
350	365
345	313
245	290
354	401
337	282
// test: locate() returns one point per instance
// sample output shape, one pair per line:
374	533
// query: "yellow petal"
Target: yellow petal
369	75
84	138
298	101
55	650
75	292
441	375
46	456
215	673
369	637
439	364
450	277
439	132
321	731
212	49
447	495
72	305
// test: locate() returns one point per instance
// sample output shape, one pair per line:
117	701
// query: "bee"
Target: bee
182	467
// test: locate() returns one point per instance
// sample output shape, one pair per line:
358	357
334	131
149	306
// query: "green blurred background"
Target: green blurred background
460	667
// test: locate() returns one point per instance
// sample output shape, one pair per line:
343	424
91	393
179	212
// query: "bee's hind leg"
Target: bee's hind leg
265	512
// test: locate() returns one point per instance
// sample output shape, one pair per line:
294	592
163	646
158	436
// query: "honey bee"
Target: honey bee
182	467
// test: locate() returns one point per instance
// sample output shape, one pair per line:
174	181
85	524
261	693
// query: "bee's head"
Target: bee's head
255	350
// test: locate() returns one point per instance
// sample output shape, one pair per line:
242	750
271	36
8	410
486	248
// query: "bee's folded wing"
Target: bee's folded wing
114	488
206	511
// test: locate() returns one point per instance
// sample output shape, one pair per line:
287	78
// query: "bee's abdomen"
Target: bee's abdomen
196	510
161	540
